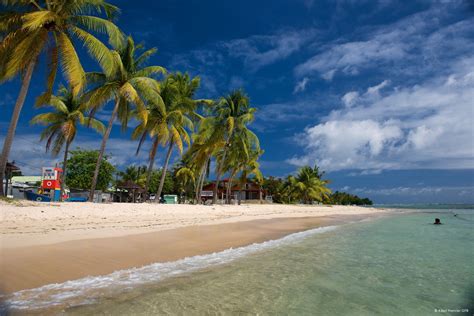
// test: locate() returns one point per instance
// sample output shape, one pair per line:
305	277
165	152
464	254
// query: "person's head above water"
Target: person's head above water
437	221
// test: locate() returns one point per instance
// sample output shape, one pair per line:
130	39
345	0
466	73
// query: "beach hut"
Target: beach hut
129	191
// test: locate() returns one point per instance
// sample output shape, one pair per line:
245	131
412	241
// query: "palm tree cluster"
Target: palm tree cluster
307	186
164	104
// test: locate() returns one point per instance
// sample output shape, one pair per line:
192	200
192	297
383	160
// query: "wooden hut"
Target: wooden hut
129	192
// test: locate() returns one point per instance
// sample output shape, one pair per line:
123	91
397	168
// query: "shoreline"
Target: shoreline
37	259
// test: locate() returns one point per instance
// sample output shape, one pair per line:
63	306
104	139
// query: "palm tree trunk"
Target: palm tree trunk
63	176
198	184
203	177
102	149
154	147
163	172
7	143
228	191
242	183
218	177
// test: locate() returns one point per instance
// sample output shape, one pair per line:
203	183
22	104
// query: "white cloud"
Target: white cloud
400	43
350	98
30	154
301	85
375	89
428	125
261	50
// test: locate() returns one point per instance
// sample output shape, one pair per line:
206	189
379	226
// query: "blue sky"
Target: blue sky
379	94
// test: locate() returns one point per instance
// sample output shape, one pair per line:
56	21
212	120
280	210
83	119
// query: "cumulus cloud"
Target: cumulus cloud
428	125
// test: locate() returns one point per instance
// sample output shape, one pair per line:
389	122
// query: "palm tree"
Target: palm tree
133	173
241	156
170	127
180	112
130	83
307	186
250	166
233	114
184	177
30	28
62	122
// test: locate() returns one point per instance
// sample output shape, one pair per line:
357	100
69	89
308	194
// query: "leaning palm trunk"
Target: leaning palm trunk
218	177
102	149
150	165
203	178
163	172
7	144
63	175
198	184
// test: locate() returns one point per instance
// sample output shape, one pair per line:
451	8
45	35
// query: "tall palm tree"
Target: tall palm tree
30	28
171	126
62	122
179	116
130	83
233	114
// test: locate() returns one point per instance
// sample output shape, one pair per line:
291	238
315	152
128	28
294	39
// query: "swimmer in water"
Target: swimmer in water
437	221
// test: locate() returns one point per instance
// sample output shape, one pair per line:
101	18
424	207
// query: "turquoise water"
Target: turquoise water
397	265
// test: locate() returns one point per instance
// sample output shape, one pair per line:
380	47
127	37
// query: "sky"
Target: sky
379	94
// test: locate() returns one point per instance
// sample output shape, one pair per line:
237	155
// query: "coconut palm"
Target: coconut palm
307	186
241	156
233	114
133	173
171	126
250	166
184	177
129	84
31	28
62	122
179	117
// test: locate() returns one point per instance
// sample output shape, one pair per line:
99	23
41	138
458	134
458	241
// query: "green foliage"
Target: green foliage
306	187
169	186
343	198
133	173
81	169
31	28
274	187
67	112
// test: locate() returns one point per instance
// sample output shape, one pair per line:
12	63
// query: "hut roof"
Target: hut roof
130	185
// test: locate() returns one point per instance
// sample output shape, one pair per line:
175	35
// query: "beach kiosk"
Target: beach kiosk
51	182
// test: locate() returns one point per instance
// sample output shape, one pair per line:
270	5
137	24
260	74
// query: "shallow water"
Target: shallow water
398	265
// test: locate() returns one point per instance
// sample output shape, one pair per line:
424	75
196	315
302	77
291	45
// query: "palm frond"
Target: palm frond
71	64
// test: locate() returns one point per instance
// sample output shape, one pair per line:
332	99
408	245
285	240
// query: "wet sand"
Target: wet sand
34	266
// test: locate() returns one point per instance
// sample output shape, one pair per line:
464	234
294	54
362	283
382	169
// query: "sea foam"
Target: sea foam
88	289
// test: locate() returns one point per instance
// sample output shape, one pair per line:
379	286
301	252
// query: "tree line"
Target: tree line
203	132
164	103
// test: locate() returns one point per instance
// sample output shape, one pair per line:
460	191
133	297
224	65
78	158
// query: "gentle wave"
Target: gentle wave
86	290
